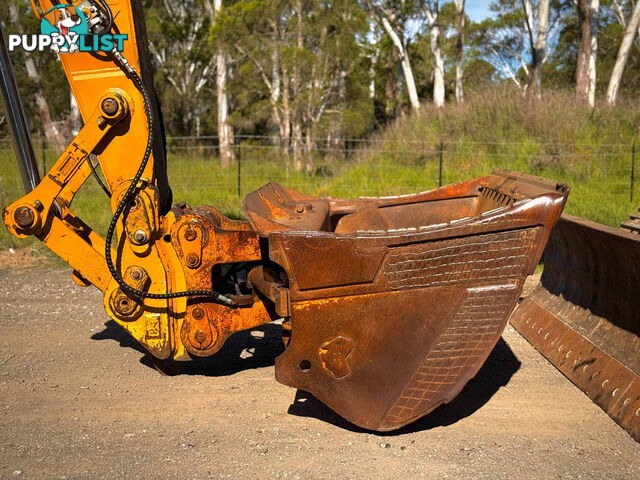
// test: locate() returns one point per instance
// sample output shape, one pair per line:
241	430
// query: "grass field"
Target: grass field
589	150
599	180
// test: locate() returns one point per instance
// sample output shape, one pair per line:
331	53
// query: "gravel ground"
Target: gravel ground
79	399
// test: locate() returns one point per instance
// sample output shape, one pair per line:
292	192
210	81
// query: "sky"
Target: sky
477	9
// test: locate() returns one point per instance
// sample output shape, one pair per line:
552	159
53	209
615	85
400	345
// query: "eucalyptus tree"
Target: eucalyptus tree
178	33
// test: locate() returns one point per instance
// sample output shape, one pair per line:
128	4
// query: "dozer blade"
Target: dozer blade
584	316
395	303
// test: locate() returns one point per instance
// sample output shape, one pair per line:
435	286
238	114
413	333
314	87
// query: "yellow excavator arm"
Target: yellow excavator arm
389	305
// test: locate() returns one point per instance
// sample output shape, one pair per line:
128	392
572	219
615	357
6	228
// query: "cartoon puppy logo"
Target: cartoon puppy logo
64	23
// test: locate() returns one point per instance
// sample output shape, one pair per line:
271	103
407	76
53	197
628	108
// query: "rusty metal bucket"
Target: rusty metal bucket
395	303
584	316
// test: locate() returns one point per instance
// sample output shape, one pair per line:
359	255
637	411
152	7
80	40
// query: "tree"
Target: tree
433	12
57	133
459	4
539	51
516	42
178	43
588	17
225	130
391	16
295	60
623	54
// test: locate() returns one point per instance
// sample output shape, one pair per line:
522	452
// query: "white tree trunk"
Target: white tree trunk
623	54
75	122
225	130
540	46
401	51
460	50
433	15
594	9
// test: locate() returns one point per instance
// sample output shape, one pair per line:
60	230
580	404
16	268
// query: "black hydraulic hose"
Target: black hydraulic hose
137	80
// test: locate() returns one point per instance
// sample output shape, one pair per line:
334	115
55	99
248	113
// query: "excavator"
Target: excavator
388	306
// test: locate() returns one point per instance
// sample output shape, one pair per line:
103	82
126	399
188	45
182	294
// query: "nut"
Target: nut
136	273
110	106
140	236
200	336
123	305
24	217
190	233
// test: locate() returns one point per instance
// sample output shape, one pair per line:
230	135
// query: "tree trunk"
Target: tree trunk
540	47
225	130
75	122
594	13
405	63
623	54
296	120
433	15
296	140
584	51
52	131
459	51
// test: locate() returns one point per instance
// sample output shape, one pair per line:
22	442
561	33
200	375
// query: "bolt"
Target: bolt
125	306
300	209
190	234
102	122
24	217
137	273
140	236
197	313
200	336
110	106
192	260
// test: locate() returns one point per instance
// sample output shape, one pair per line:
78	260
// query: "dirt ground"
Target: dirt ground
79	399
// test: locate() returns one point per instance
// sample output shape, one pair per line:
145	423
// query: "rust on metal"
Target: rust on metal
396	302
584	314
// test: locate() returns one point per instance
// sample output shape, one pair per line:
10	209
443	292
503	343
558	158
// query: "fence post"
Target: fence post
440	168
633	169
239	162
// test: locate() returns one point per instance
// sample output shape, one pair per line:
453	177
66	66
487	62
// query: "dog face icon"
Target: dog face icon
66	23
64	18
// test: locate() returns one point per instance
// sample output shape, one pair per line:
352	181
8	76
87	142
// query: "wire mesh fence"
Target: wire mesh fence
601	176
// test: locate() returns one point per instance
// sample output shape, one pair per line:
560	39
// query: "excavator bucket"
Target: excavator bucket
584	316
395	303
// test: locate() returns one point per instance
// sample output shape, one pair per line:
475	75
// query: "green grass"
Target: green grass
591	151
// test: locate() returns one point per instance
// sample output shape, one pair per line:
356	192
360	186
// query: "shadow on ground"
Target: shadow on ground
244	350
495	373
258	348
